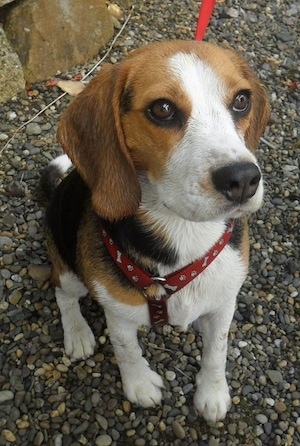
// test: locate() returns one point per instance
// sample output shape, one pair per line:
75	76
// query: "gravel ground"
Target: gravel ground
47	400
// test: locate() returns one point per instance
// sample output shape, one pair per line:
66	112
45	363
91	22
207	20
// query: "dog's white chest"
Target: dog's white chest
210	291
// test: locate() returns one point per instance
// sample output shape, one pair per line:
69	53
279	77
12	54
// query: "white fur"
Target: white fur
194	218
78	337
63	162
211	141
141	384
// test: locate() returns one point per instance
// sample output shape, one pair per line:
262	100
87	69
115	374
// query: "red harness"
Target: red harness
171	283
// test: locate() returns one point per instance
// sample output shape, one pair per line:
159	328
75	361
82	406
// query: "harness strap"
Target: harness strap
169	284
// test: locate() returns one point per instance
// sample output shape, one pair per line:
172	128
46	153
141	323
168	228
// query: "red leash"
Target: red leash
205	14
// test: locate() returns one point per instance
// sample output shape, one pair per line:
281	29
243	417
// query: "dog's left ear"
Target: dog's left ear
91	134
260	109
260	115
255	124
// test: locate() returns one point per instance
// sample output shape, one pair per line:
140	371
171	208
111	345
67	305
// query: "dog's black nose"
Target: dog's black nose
238	182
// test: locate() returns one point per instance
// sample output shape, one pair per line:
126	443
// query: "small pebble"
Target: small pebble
170	375
6	395
103	440
275	376
39	272
33	129
8	436
178	430
280	406
261	418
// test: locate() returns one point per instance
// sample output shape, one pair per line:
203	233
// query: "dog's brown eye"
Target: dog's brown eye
241	102
165	113
162	110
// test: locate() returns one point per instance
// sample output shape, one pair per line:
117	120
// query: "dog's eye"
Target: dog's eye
165	113
242	102
162	110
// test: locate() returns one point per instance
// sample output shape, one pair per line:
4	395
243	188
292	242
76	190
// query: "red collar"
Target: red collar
171	283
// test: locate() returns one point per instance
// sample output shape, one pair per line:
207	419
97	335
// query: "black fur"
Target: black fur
133	238
65	213
48	183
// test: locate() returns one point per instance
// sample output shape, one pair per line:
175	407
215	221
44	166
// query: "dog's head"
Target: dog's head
188	115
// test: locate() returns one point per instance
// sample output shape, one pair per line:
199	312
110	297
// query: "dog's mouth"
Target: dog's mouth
235	210
167	207
225	211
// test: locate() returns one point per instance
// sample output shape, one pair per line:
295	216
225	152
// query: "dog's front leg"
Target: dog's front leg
212	399
78	337
141	385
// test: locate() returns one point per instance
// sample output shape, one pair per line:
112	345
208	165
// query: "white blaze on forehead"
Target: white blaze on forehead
198	78
211	123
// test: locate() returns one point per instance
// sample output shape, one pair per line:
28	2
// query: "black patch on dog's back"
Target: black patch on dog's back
47	184
64	215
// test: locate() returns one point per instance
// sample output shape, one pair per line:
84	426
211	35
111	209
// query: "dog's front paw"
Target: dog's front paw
142	386
212	399
79	343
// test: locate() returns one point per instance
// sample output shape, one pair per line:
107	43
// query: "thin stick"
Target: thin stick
64	94
182	372
30	120
156	347
112	43
268	143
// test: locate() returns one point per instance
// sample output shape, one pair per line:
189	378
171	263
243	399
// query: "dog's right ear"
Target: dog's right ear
90	133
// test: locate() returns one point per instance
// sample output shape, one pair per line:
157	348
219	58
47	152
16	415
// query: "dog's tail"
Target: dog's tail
51	177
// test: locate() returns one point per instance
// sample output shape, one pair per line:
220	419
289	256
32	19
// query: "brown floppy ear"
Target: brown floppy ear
90	133
260	110
259	117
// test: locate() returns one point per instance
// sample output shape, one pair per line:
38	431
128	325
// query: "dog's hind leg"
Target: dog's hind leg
79	340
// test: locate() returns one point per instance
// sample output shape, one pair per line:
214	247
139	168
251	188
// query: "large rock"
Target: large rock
11	74
55	35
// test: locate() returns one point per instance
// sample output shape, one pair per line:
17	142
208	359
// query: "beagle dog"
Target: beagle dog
163	145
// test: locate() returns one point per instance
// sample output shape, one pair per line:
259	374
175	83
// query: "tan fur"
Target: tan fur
90	133
232	69
59	267
245	243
